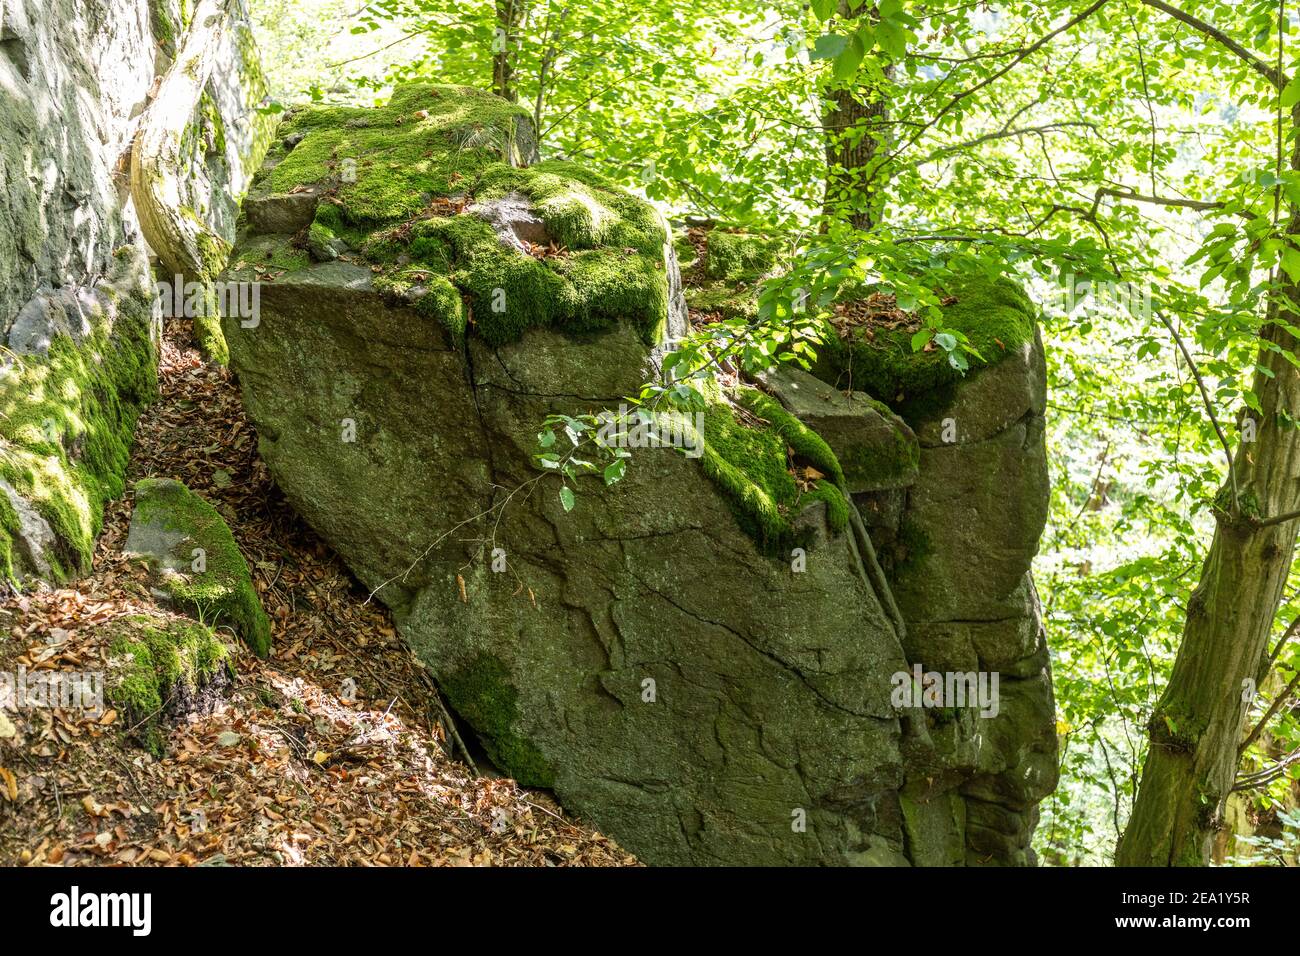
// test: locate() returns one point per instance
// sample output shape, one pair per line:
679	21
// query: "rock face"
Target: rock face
76	289
956	545
700	658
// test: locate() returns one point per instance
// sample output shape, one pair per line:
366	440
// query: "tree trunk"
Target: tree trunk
1197	727
854	122
509	16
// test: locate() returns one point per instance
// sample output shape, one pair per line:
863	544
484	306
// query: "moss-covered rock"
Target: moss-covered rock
723	268
163	668
654	653
738	256
995	315
67	415
197	560
754	464
413	189
875	448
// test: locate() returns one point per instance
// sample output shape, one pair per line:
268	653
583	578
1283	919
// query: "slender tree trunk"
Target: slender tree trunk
509	16
1196	728
852	193
855	121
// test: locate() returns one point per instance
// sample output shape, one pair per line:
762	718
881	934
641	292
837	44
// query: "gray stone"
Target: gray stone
75	78
281	212
875	447
769	698
35	539
514	220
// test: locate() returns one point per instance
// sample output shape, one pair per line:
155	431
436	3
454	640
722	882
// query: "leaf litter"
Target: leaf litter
334	751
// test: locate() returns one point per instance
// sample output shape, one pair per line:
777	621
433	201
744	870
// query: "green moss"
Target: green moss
994	314
738	256
723	298
483	694
163	25
223	592
152	663
210	339
8	533
805	442
723	281
750	465
878	464
581	209
437	142
911	546
388	162
66	424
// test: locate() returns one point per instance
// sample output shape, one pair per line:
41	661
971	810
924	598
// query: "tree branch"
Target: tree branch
1272	74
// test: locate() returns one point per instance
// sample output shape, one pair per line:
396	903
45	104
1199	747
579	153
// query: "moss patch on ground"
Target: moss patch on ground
155	665
397	179
994	314
221	590
751	465
66	424
482	693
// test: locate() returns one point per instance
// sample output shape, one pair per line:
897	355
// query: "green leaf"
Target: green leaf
566	497
824	9
828	46
1291	93
614	471
847	63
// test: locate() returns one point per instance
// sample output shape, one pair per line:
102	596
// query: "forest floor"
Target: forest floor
295	767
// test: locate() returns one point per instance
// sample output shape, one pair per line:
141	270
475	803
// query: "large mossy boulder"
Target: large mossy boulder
699	657
659	656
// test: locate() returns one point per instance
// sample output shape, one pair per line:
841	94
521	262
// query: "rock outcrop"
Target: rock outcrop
702	657
956	542
77	295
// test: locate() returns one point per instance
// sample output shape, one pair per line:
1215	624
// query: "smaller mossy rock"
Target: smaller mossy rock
875	448
721	272
163	668
198	562
754	460
994	314
738	256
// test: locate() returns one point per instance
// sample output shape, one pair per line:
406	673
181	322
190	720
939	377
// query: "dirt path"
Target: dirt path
330	752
